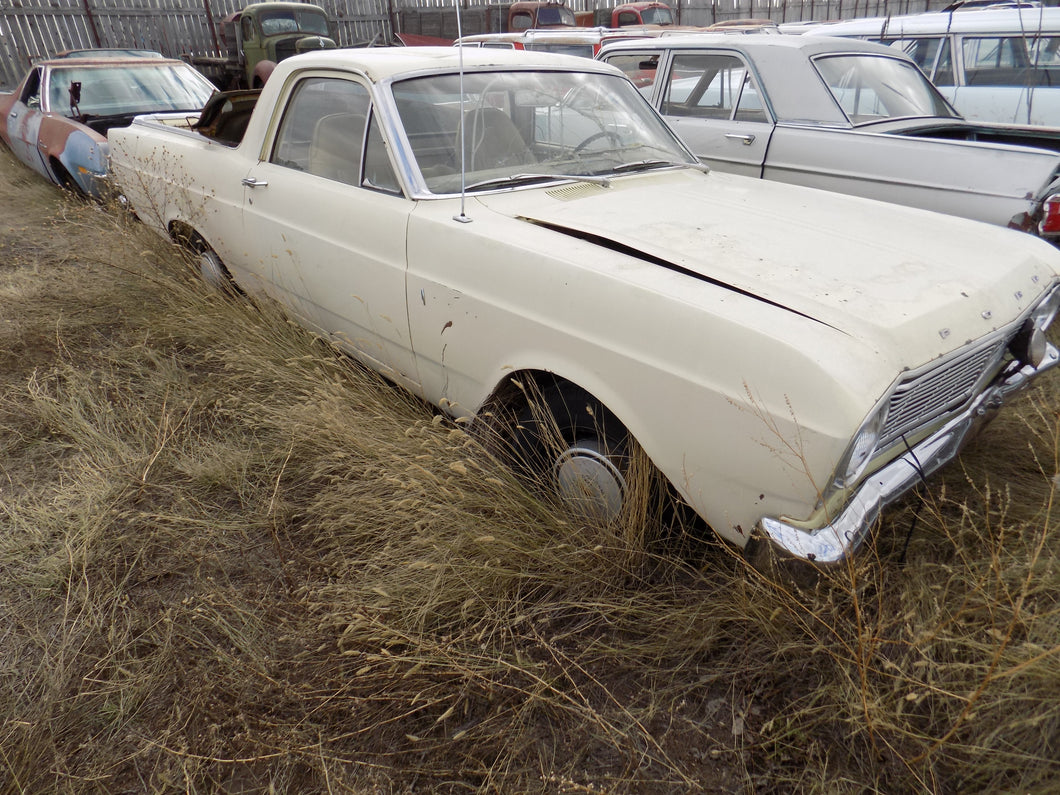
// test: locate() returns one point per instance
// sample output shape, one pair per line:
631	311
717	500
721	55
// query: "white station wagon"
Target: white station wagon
467	221
993	64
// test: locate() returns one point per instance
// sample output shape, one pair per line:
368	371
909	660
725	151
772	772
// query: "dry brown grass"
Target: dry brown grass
231	561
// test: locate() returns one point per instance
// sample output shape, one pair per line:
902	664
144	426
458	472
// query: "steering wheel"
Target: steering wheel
596	137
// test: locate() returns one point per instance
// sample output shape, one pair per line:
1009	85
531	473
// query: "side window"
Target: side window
944	68
31	93
378	173
520	20
994	60
1045	59
323	133
248	28
922	51
1045	51
932	55
712	86
639	67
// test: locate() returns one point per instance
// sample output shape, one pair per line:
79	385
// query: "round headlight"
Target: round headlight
1045	312
860	451
1029	345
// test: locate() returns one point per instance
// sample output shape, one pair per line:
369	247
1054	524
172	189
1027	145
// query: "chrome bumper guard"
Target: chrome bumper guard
840	538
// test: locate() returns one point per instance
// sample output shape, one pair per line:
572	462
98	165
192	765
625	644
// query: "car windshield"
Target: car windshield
657	16
555	15
563	48
871	88
287	21
116	90
523	123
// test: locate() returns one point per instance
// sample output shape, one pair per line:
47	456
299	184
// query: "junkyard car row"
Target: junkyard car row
485	225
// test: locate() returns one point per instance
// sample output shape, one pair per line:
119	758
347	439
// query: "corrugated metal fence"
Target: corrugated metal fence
31	29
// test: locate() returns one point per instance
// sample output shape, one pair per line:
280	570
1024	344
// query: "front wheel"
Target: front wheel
577	448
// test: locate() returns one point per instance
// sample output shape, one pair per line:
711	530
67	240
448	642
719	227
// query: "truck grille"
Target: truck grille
921	398
286	48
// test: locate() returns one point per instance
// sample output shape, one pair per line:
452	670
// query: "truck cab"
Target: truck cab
528	14
261	35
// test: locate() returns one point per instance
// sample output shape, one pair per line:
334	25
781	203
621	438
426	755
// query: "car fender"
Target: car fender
262	72
82	153
758	397
984	182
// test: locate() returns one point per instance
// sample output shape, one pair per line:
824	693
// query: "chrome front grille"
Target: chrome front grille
921	398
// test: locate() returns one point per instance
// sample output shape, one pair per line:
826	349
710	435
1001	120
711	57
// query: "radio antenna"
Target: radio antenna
461	218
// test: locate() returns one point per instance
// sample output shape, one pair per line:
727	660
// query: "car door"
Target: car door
23	123
325	215
712	101
997	79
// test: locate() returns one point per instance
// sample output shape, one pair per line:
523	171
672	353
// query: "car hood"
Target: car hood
916	283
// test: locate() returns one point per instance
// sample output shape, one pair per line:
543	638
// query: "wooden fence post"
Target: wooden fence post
91	22
213	27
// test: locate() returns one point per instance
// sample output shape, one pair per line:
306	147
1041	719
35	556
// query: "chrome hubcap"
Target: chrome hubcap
588	481
211	269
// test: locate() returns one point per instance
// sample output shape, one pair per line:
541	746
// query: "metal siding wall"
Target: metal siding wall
34	29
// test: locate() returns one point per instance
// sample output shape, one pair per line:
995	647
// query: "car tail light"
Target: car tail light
1050	223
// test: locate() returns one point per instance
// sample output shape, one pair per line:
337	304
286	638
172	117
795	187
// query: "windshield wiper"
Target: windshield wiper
647	165
529	179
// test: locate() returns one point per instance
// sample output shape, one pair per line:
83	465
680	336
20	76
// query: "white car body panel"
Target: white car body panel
742	331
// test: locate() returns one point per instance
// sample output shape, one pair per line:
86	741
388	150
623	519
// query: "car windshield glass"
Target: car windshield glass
520	122
555	15
312	22
657	16
872	88
563	48
110	91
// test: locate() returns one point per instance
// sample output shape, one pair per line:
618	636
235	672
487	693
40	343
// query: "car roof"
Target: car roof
109	62
808	44
784	65
106	52
381	63
1021	21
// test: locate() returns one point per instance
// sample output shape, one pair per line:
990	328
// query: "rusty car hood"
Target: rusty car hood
888	275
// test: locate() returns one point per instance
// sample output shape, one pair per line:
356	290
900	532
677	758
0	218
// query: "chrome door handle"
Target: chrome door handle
746	138
252	182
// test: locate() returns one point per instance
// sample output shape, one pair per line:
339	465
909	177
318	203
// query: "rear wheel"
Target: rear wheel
210	266
212	269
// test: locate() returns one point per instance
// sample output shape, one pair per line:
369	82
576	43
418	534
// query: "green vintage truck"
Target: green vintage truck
261	35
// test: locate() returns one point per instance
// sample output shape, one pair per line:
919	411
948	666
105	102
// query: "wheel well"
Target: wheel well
184	235
64	177
513	394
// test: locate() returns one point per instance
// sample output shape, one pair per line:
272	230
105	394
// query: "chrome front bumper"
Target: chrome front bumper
838	539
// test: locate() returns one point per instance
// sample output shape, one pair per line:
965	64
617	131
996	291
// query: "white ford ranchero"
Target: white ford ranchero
791	360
